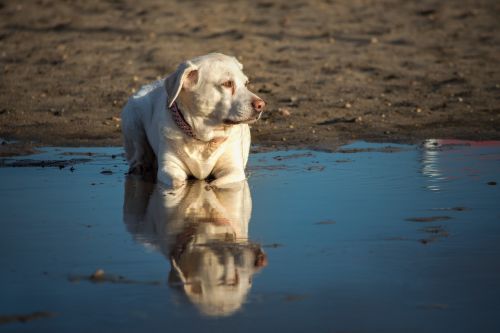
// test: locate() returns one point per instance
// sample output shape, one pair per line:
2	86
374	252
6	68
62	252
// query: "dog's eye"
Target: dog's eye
228	84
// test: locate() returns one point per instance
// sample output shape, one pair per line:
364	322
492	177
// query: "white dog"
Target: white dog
194	123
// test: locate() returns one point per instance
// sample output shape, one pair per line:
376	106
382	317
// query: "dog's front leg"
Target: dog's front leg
171	172
229	169
170	181
228	176
170	177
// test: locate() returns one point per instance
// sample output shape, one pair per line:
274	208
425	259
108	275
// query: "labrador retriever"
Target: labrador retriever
194	123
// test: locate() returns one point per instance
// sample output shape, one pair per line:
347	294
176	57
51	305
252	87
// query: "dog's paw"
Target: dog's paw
170	182
228	182
176	183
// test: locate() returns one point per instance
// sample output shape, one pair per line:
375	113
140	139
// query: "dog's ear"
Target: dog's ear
179	275
238	63
186	76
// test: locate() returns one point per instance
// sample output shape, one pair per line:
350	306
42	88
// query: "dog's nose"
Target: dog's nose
258	105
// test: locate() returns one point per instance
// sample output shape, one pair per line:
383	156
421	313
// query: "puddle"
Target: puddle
372	238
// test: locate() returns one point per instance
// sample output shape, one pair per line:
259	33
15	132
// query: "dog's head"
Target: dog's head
214	87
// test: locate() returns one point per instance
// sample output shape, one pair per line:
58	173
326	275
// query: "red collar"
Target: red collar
181	122
183	125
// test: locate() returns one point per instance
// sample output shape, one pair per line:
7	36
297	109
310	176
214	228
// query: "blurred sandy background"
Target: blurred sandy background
330	71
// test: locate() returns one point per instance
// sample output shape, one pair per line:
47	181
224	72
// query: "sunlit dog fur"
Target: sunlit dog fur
203	231
211	93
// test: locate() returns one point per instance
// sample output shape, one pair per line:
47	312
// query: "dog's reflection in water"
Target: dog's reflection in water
204	233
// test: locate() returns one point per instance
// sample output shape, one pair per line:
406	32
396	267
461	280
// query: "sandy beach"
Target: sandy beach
331	71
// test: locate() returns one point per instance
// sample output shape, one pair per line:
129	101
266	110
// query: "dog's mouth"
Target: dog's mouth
246	121
238	122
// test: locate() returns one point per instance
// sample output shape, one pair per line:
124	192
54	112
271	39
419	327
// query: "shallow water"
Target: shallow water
368	239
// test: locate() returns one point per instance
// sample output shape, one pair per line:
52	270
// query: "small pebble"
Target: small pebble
98	275
284	112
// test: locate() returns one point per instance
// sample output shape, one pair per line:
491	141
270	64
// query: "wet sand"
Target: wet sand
331	71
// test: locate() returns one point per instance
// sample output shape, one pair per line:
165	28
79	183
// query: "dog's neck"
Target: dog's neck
187	129
181	122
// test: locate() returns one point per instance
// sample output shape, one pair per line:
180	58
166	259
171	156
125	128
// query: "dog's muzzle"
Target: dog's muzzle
258	106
